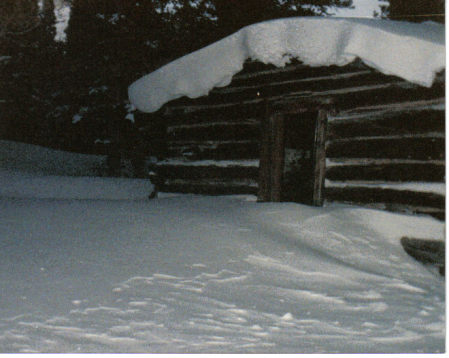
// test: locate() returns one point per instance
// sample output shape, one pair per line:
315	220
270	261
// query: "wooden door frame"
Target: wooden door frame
272	151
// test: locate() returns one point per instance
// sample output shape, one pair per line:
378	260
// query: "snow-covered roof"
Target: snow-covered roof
415	52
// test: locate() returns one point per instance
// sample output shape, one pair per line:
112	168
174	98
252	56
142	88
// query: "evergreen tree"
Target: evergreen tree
109	43
73	93
415	10
17	17
17	20
31	55
234	14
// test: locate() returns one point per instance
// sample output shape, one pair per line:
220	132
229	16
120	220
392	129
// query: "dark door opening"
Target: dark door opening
292	162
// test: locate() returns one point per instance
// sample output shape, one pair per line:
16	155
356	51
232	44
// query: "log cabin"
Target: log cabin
353	131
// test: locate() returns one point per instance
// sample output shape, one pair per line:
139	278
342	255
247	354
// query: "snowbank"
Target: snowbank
45	161
31	171
17	184
415	52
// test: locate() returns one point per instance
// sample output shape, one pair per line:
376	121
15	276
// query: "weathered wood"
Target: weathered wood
207	171
363	96
381	110
393	123
319	158
418	171
422	187
390	93
277	88
364	195
277	156
394	131
312	84
245	130
256	75
209	187
343	98
229	112
218	150
431	147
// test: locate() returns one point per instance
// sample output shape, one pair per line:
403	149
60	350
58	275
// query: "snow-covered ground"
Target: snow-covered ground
186	273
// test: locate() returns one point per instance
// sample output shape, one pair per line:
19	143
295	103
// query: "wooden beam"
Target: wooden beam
277	155
397	147
319	158
388	170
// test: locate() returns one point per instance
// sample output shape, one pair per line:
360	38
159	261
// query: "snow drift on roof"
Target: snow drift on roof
415	52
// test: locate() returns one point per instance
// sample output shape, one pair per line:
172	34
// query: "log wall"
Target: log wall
390	157
385	142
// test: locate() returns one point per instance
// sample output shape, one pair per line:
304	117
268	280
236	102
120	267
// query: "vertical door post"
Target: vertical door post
277	155
319	158
278	180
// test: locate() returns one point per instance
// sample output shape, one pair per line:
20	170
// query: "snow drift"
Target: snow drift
415	52
35	159
199	274
32	171
23	185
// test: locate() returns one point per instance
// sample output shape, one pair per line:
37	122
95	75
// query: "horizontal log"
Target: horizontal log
392	93
367	195
346	99
393	123
208	172
217	150
394	147
418	171
215	131
260	75
388	109
228	112
343	99
212	108
257	74
311	85
332	162
415	186
208	187
251	91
